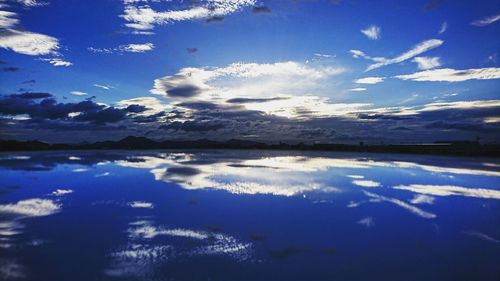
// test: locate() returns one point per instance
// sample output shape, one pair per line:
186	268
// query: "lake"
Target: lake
247	215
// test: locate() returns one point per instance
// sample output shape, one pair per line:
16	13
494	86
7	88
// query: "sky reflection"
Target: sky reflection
155	215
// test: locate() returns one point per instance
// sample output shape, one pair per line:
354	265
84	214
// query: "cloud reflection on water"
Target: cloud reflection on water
287	175
447	190
150	246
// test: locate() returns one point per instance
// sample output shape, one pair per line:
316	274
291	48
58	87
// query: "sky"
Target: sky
338	71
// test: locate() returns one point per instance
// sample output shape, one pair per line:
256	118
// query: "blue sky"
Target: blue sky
340	71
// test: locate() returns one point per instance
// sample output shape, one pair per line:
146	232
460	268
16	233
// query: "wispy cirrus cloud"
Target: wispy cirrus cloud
145	18
453	75
372	32
443	28
104	87
415	51
486	21
358	89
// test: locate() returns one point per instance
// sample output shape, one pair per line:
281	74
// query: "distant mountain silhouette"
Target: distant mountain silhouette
459	148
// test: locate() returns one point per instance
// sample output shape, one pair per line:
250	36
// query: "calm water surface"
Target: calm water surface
247	215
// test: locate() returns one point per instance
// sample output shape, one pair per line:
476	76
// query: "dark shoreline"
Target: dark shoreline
140	143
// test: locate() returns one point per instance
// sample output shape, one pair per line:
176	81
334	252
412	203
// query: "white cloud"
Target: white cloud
80	170
101	50
370	80
427	62
145	18
447	190
102	175
28	43
61	192
31	3
360	54
324	55
368	222
486	21
137	48
366	183
359	89
57	62
453	75
141	204
8	19
372	32
415	51
291	84
78	93
131	48
104	87
444	27
31	207
422	199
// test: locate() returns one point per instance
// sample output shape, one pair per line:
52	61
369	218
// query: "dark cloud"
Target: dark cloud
199	105
192	50
135	108
254	100
215	19
71	125
261	10
184	91
45	106
149	118
102	116
474	127
433	5
183	171
401	128
10	69
32	95
382	117
193	126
